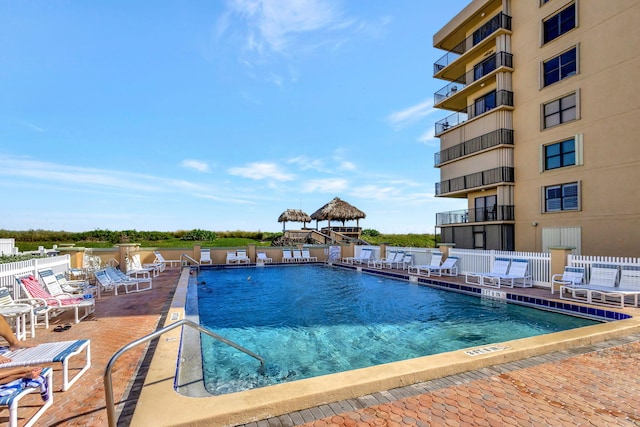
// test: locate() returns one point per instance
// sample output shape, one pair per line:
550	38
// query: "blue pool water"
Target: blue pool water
307	321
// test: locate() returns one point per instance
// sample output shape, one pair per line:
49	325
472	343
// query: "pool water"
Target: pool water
307	321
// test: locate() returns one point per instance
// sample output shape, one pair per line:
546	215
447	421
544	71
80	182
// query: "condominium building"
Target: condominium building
542	133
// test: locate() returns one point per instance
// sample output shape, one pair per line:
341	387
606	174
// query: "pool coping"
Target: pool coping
160	405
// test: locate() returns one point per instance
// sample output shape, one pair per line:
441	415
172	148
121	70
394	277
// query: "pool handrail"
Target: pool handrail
108	384
189	260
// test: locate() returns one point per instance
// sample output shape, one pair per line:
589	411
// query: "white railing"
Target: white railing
480	261
8	247
587	261
8	271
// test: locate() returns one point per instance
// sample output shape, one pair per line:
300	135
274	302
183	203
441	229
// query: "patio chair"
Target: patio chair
135	267
232	258
390	261
241	257
377	263
297	255
447	268
602	277
500	267
53	352
517	275
261	258
205	256
75	286
119	277
629	286
571	276
60	303
50	281
160	259
17	311
286	255
12	401
365	256
436	260
307	255
407	260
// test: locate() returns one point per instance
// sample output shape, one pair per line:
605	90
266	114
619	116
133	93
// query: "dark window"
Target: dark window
560	111
561	197
560	154
484	68
485	103
560	23
485	208
561	66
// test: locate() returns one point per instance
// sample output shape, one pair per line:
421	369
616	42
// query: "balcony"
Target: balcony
474	145
500	21
466	216
498	175
484	68
482	105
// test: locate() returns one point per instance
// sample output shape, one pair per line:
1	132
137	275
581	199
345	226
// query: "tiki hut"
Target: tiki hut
338	210
293	215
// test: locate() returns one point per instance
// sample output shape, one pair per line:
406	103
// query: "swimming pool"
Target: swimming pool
307	321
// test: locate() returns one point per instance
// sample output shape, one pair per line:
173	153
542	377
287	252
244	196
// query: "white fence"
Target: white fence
587	261
8	247
480	261
8	271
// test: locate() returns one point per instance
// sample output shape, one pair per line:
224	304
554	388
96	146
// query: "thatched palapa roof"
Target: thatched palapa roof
293	215
338	210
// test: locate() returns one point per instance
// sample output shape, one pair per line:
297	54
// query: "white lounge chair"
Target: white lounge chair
232	258
602	277
135	268
106	284
53	352
447	268
261	258
74	286
436	260
160	259
48	278
241	257
571	276
394	258
407	260
500	267
365	256
307	256
17	312
131	284
517	275
12	401
286	255
205	256
297	255
629	286
63	302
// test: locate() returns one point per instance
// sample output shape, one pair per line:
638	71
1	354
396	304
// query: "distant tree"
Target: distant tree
370	232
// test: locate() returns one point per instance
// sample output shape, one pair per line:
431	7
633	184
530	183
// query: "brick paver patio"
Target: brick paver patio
592	386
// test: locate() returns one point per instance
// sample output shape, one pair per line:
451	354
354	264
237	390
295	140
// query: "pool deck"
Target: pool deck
594	381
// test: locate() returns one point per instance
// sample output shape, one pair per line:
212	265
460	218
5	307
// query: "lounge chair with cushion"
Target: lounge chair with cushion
60	303
500	267
261	258
571	276
602	277
53	352
629	286
307	256
205	256
518	275
436	260
12	401
241	257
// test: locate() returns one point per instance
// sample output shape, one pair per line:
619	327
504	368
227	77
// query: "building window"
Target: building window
560	154
560	111
485	103
562	197
560	67
560	23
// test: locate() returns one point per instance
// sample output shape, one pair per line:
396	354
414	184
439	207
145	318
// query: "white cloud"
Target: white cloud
429	137
261	170
410	115
329	185
195	164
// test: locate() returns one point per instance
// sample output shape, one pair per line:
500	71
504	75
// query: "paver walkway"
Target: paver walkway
596	385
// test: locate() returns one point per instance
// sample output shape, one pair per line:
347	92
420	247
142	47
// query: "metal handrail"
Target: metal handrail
189	260
108	384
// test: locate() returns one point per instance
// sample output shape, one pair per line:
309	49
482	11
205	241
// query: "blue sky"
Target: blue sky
218	115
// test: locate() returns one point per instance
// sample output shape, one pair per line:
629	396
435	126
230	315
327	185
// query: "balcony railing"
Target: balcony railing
475	180
482	142
502	97
464	216
495	61
494	24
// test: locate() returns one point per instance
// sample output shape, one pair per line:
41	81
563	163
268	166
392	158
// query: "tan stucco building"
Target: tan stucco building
543	139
